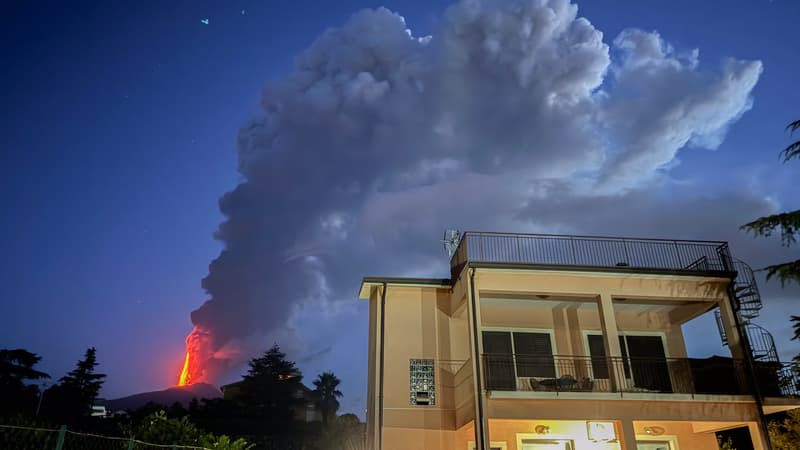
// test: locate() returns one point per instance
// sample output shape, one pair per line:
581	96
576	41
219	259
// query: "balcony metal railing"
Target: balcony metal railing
778	379
713	376
591	251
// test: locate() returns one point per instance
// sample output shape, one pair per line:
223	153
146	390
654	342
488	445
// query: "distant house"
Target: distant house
100	411
308	412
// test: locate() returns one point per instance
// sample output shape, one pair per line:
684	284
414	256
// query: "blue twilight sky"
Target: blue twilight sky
120	122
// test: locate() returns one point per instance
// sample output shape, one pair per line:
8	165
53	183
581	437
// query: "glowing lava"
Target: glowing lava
203	362
184	378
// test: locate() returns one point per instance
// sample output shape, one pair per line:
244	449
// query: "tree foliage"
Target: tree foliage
792	150
787	223
326	395
73	396
726	444
785	434
271	386
345	432
159	428
83	380
16	373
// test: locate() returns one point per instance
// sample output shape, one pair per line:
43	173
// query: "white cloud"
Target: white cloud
513	115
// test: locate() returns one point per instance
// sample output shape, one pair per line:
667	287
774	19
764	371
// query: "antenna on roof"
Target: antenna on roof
451	239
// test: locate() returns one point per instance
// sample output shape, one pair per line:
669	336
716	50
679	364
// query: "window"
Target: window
512	354
422	382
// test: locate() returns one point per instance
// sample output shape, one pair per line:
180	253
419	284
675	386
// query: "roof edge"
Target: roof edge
433	282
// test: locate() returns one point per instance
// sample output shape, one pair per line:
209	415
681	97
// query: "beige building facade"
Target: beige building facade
542	342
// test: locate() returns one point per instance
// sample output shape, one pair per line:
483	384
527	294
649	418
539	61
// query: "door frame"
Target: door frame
670	438
545	437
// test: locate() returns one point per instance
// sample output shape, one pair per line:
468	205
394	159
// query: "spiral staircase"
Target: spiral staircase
747	302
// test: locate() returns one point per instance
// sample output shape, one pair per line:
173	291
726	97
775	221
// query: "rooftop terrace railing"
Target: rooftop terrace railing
591	251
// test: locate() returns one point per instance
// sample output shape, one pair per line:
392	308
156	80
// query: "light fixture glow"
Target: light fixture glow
654	430
601	431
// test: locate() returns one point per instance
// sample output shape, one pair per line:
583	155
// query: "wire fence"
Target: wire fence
29	438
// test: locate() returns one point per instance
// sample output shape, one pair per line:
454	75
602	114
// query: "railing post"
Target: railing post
625	251
572	245
677	255
130	443
689	372
62	433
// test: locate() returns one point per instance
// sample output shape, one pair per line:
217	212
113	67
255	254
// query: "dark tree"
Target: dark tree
16	373
73	397
271	389
787	223
83	379
326	395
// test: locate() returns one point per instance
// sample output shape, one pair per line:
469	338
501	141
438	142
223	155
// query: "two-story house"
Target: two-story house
544	342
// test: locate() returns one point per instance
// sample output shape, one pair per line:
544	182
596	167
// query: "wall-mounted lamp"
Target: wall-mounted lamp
654	431
601	431
541	429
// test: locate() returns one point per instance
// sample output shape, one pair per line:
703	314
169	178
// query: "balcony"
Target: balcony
558	374
606	253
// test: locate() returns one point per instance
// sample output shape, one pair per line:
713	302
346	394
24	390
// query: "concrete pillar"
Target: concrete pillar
626	434
735	343
561	330
758	438
608	321
731	333
574	327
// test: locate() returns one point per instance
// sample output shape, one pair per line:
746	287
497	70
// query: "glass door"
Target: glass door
499	358
648	363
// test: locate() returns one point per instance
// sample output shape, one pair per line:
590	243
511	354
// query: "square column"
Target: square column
611	340
626	434
731	332
758	438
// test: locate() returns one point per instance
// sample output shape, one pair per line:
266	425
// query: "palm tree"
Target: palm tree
793	149
326	395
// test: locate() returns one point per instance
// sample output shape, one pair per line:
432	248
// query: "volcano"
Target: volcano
180	394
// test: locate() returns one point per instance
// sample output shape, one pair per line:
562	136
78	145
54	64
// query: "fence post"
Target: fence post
130	443
62	433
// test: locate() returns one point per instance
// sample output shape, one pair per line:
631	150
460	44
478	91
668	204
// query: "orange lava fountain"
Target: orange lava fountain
198	364
184	379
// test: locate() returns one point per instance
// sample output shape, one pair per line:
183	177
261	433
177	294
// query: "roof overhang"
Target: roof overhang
367	283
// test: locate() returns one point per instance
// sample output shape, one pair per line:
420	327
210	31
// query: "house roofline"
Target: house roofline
369	282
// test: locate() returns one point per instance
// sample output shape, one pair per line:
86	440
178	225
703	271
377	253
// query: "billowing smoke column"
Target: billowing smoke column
378	140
